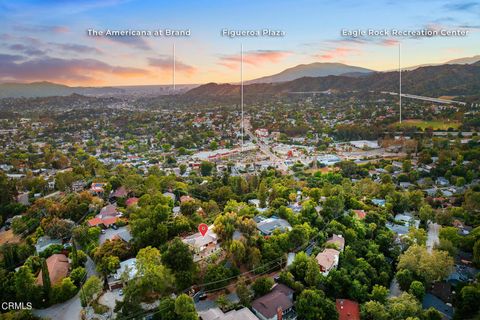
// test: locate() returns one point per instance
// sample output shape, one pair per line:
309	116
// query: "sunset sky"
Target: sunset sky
47	40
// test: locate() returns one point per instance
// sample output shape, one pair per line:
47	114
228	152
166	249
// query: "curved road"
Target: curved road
68	310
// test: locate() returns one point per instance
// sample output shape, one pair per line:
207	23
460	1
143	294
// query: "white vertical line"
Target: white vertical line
400	79
173	74
241	89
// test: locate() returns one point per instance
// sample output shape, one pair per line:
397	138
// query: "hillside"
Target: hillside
431	81
317	69
46	89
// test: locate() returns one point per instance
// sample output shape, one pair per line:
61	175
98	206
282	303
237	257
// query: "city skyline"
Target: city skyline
48	41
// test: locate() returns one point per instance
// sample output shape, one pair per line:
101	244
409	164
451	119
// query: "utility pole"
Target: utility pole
241	90
400	79
173	74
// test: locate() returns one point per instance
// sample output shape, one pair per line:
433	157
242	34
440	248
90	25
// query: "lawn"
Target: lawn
435	124
8	237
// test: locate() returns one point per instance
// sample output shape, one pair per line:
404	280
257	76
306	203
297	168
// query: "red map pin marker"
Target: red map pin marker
203	228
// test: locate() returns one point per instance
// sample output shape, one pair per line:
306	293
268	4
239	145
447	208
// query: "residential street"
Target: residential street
432	239
69	310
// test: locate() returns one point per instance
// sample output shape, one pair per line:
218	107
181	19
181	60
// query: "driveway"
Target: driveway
109	297
68	310
110	233
432	235
395	290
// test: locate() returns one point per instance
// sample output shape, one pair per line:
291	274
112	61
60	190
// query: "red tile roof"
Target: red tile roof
360	214
347	309
109	221
131	201
94	222
109	210
120	192
327	258
106	221
185	199
58	266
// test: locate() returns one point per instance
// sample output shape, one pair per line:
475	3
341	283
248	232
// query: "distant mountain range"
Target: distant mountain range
433	81
466	60
47	89
316	69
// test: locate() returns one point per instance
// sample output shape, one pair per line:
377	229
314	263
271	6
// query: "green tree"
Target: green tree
26	290
417	289
153	278
73	254
313	305
432	314
404	306
244	293
78	275
47	285
429	267
334	206
206	168
426	213
166	310
262	194
108	265
417	236
379	293
63	291
178	256
262	286
92	287
468	301
374	310
185	308
476	253
404	278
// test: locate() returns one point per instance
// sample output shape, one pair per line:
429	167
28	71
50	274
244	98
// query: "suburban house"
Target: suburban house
77	186
266	226
379	202
402	224
121	192
170	195
360	214
58	267
338	241
124	235
446	309
131	201
97	188
347	309
128	269
275	305
44	242
107	216
203	246
185	199
328	260
217	314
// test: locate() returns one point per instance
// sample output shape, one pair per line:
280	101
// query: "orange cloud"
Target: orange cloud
336	53
166	64
85	71
389	42
254	58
